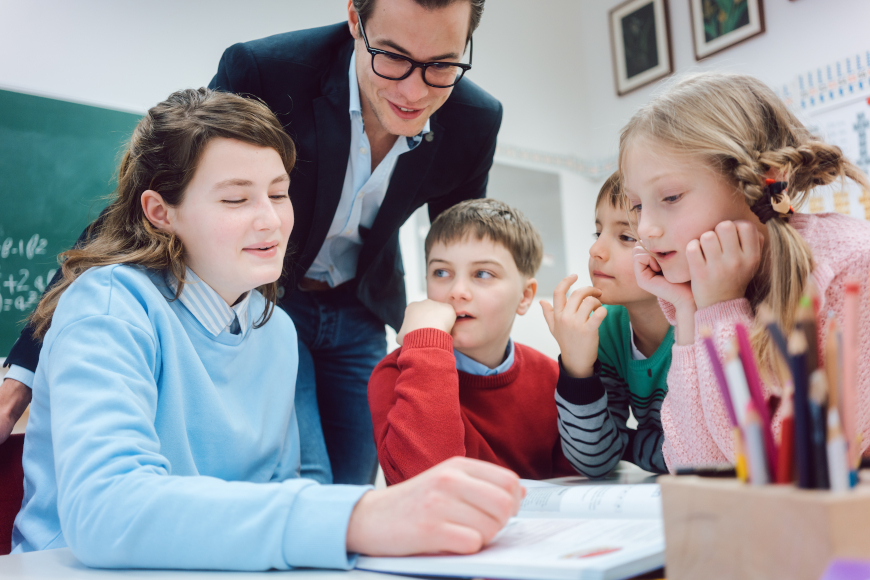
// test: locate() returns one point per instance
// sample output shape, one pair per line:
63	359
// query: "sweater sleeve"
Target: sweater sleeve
414	401
118	502
694	420
592	422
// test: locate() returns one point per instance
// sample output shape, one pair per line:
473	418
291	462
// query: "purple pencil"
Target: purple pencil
720	374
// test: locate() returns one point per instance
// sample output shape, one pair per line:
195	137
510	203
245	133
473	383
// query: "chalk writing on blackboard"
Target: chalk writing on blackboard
19	289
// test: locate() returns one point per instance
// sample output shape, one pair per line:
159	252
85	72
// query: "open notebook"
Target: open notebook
594	532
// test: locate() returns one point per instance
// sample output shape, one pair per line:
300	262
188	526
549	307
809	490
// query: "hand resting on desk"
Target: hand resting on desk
457	506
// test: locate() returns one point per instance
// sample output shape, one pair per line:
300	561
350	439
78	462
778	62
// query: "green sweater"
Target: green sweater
593	412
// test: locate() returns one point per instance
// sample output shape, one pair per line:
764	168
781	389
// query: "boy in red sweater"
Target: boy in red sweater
459	385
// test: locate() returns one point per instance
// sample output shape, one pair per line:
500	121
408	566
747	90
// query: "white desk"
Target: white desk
54	564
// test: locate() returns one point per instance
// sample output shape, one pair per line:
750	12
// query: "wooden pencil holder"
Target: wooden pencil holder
725	529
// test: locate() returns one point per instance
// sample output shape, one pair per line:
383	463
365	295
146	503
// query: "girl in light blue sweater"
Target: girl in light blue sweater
162	432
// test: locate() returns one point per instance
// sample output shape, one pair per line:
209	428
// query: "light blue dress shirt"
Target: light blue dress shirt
210	309
361	195
472	367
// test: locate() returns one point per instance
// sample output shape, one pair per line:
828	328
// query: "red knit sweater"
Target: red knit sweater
425	411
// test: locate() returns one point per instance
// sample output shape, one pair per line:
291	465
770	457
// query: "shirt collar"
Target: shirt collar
355	108
472	367
209	308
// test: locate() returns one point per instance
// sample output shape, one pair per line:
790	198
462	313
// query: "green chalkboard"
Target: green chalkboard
57	166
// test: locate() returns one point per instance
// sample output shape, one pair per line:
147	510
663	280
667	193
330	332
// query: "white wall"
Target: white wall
800	36
548	61
131	55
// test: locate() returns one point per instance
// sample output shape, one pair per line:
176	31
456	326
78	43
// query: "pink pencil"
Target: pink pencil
753	379
850	370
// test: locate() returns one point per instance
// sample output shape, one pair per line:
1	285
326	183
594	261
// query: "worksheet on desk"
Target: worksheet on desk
546	500
548	549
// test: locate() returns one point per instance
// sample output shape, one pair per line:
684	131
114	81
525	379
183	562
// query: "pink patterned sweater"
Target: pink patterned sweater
695	423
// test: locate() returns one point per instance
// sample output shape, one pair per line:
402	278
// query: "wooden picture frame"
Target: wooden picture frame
720	24
640	41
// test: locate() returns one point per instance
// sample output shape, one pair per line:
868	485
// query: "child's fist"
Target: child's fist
574	323
427	314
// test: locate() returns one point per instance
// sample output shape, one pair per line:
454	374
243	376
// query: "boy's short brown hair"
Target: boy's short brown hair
611	192
493	219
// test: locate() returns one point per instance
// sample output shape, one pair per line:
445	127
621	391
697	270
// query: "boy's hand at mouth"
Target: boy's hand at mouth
574	322
427	314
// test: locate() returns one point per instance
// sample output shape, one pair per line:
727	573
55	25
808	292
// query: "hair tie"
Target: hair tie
774	202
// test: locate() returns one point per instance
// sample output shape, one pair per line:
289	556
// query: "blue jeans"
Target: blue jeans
340	342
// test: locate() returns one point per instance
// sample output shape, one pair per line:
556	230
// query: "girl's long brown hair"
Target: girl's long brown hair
736	125
163	155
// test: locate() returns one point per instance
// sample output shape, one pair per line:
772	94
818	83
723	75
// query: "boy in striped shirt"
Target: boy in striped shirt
633	342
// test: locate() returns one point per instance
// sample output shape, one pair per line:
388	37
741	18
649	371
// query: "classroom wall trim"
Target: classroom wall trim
592	170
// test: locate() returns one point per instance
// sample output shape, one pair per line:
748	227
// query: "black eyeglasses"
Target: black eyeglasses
397	67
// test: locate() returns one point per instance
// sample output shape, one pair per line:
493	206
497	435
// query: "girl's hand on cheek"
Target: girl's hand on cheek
723	262
650	278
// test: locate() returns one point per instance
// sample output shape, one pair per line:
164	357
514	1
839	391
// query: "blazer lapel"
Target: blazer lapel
410	172
332	125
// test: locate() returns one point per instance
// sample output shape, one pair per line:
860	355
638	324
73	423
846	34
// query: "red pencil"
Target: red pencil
785	455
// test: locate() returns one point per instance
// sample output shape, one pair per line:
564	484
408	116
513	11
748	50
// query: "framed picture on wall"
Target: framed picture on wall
719	24
640	38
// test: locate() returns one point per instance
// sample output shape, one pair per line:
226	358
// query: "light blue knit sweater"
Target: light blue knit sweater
154	444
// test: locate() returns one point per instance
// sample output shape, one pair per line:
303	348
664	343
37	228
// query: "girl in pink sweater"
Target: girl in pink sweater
703	166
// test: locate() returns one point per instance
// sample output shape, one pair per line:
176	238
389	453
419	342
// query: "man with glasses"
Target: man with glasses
382	125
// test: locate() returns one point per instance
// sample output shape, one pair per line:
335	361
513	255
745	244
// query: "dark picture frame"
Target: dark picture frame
640	42
720	24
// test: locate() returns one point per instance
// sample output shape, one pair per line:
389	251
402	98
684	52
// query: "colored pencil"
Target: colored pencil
758	474
713	356
834	364
838	453
753	380
739	455
806	322
819	428
736	377
850	371
797	348
785	453
767	319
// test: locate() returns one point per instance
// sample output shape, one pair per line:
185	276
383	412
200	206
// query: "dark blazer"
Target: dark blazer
302	77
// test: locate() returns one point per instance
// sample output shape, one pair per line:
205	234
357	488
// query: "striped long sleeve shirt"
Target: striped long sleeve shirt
594	412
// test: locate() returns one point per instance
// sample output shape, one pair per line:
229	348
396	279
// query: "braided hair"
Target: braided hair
736	125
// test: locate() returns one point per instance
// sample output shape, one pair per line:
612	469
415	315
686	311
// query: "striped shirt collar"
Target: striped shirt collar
209	308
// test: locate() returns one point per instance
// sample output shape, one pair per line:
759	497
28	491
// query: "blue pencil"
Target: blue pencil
797	348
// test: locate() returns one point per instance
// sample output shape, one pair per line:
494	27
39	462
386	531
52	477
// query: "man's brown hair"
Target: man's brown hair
495	220
610	191
365	8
